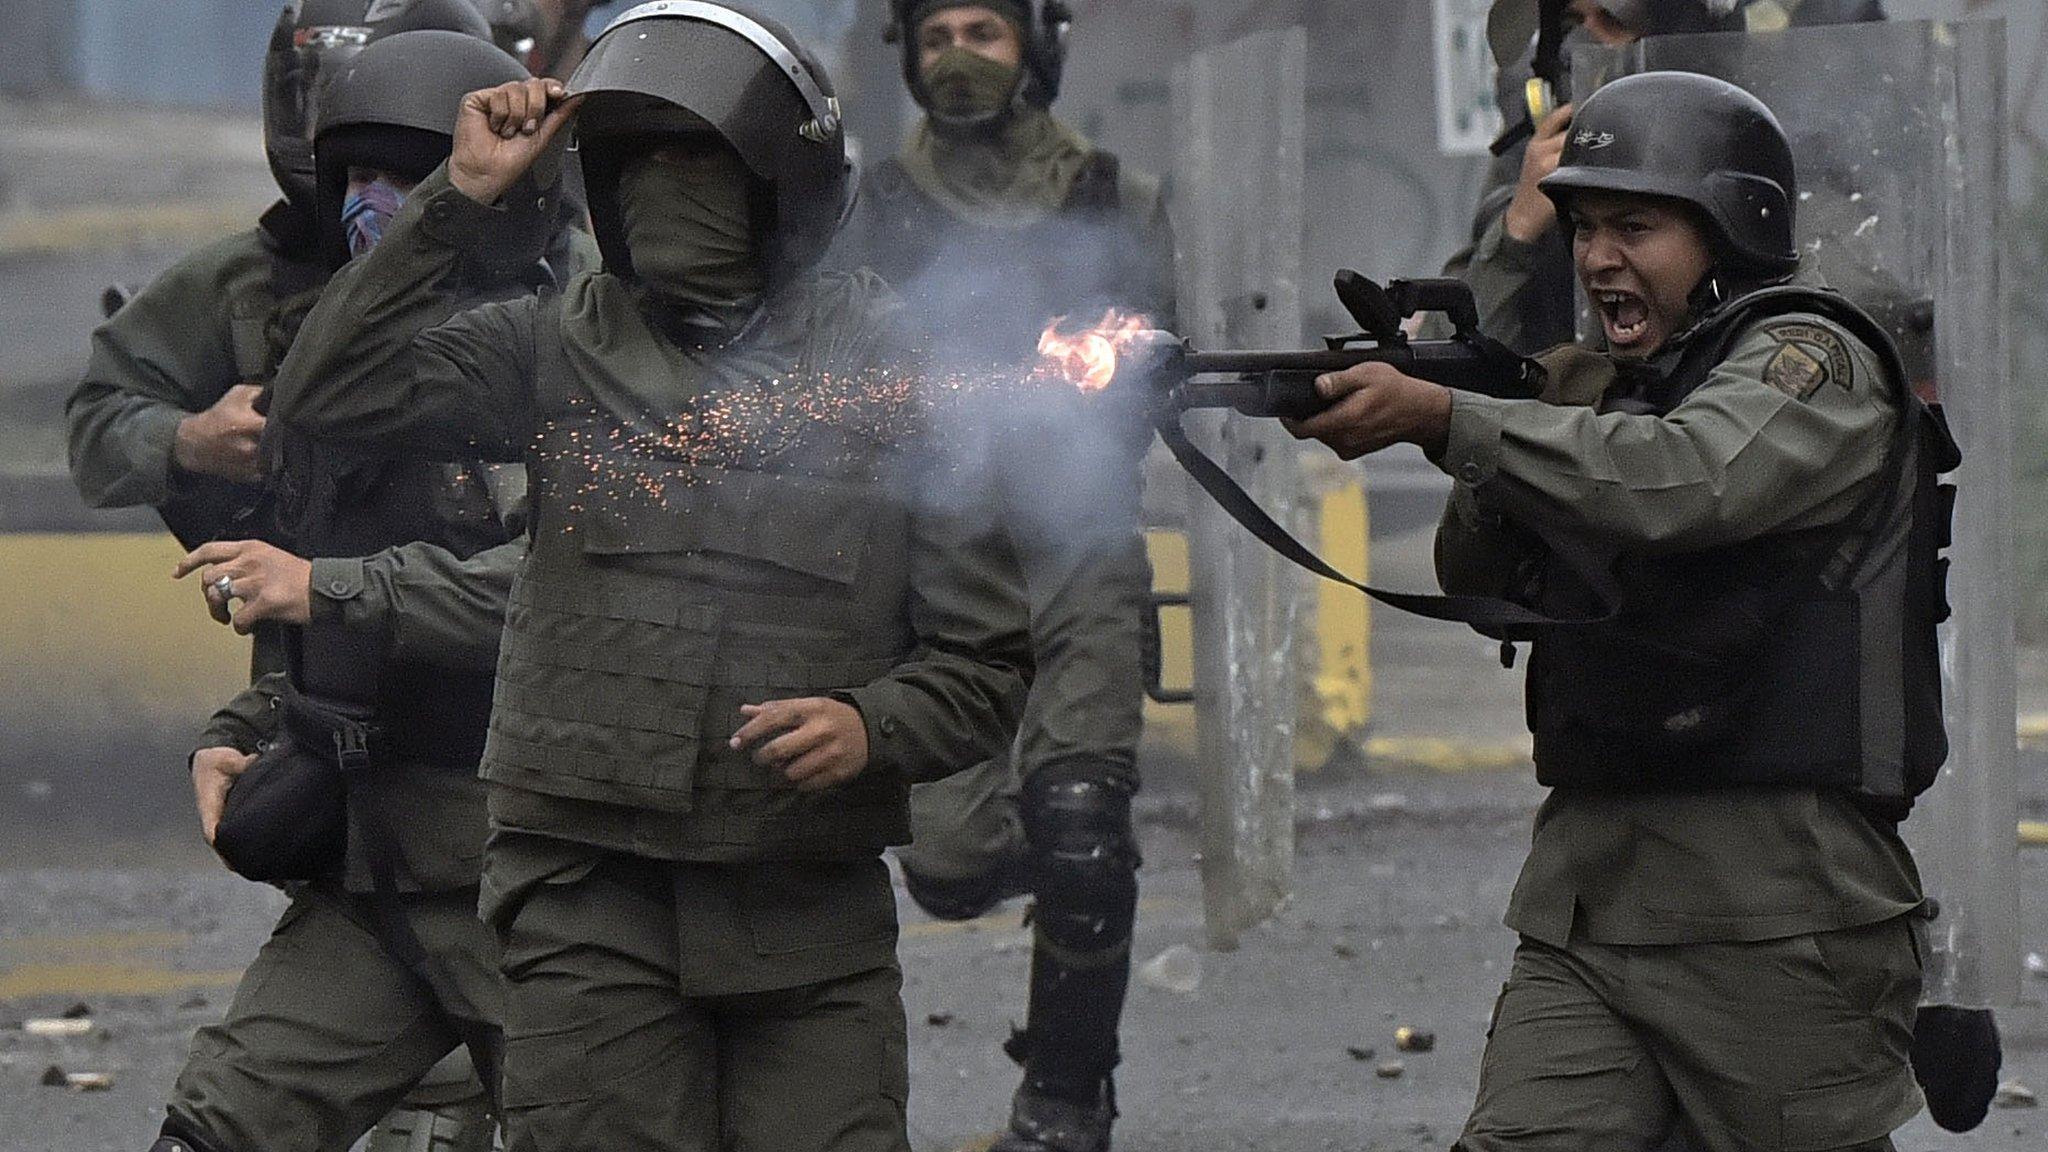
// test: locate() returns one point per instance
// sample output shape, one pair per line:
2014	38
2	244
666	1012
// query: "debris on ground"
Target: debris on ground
1345	951
53	1077
1414	1039
57	1026
939	1019
2013	1094
1390	1070
88	1081
1358	1053
78	1011
1177	969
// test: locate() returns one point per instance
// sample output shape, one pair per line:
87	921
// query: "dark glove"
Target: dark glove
1956	1059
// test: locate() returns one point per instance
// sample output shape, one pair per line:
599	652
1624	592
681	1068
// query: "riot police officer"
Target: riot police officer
169	410
380	966
994	219
167	413
741	629
1518	260
1736	503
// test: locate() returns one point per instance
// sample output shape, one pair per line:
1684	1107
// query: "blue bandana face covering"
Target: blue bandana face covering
365	214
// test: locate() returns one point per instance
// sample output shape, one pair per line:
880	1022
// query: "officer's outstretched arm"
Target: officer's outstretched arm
1786	433
429	605
385	358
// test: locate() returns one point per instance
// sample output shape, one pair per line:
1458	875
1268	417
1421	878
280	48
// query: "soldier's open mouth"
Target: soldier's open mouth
1625	315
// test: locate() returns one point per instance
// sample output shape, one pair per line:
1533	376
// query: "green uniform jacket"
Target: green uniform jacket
214	320
646	611
1737	459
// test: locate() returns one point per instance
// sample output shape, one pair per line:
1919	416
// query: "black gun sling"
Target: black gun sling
1496	617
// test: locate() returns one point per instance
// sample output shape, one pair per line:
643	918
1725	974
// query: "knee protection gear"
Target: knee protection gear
1084	860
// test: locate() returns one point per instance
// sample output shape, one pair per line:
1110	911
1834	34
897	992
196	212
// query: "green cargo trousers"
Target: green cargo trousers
328	1029
661	1006
1797	1044
968	825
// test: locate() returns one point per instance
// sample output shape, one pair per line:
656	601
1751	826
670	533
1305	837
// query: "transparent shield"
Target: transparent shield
1239	115
1899	133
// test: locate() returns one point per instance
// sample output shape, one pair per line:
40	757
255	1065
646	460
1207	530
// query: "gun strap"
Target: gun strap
1502	618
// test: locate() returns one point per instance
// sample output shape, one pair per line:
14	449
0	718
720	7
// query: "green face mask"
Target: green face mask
689	226
968	86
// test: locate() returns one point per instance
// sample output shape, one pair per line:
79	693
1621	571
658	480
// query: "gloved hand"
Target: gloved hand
1956	1059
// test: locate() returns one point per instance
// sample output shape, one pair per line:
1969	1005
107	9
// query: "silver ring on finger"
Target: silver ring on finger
225	587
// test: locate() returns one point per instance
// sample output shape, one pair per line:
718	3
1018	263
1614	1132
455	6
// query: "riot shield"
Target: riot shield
1238	112
1898	130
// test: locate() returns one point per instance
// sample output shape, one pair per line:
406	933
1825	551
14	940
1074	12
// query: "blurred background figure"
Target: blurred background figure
994	219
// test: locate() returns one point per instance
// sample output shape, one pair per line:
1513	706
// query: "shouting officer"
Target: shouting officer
1717	912
740	632
380	966
1519	260
993	220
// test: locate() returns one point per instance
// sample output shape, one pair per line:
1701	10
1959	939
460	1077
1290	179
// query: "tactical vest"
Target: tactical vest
1802	658
987	293
338	501
671	581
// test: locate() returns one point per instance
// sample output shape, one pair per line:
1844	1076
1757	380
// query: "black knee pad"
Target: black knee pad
1084	861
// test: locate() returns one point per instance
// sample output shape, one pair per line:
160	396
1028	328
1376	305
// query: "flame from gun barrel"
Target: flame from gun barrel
1087	359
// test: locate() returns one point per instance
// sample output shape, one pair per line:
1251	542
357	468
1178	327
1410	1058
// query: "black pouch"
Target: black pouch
286	818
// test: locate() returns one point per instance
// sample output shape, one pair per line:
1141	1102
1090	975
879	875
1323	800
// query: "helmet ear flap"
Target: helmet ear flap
1756	219
1045	53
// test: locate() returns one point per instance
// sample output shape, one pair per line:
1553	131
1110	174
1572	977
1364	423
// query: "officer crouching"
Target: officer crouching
1717	915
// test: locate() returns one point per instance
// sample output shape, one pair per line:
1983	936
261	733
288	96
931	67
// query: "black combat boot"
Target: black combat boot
1068	1048
1042	1122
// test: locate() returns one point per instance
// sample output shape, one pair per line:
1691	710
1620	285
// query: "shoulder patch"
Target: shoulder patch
1807	356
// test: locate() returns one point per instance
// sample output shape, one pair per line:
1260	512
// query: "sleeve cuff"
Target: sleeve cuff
1472	450
1498	248
156	447
334	583
886	751
512	232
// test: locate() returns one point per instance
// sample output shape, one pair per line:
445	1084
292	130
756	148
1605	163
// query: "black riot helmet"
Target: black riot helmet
687	66
1044	24
312	40
1695	139
393	107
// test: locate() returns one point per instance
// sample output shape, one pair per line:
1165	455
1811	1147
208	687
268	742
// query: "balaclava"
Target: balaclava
687	212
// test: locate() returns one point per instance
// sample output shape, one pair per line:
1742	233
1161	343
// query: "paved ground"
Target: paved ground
1276	1048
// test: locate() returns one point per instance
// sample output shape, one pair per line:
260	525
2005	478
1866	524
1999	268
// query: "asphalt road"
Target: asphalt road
1400	878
